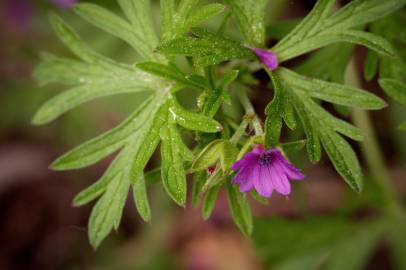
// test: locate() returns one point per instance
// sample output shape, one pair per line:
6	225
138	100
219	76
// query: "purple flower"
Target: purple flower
268	58
266	171
66	4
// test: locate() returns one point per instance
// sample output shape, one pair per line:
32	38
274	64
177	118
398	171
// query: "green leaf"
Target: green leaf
320	28
97	148
141	198
108	210
288	113
76	96
171	73
313	141
149	139
259	198
210	202
71	40
139	14
213	101
207	48
95	190
319	125
293	147
111	23
240	209
217	150
228	78
208	156
175	23
360	12
402	126
186	153
395	89
228	155
204	13
73	72
249	15
338	149
332	92
371	41
198	182
273	121
310	24
173	173
167	15
193	121
344	158
333	122
185	8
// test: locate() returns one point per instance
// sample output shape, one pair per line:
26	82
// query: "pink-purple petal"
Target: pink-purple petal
247	186
292	172
263	183
266	171
268	58
279	180
248	159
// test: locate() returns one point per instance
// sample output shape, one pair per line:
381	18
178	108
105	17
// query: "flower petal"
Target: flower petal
242	175
263	182
247	186
291	171
248	159
268	58
279	179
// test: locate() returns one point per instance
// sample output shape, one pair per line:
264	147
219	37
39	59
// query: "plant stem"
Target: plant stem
372	152
249	109
240	131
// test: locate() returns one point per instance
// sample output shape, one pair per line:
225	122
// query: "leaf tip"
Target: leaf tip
39	119
58	165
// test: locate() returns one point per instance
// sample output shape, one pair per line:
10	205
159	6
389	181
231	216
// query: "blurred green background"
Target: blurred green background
323	225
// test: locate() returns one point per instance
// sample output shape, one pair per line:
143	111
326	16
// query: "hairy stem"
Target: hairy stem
249	110
372	152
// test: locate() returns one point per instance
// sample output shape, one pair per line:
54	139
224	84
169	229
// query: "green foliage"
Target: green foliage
320	242
392	71
173	173
395	89
140	198
240	209
217	63
321	28
177	21
206	47
138	33
210	202
218	150
319	125
249	15
316	30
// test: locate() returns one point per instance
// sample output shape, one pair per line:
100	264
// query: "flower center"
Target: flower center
264	159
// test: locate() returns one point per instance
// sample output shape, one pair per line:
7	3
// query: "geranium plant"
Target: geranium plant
245	155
